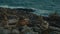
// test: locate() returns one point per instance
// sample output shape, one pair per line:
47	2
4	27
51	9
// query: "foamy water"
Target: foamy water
37	11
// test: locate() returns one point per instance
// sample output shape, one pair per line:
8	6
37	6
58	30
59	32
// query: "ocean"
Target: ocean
42	7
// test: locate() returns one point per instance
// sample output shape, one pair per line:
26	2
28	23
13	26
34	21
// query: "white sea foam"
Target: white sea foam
12	7
37	11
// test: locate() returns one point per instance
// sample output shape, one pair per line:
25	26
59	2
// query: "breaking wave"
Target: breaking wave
37	11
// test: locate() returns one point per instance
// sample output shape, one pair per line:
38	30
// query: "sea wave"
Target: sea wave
37	11
12	7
